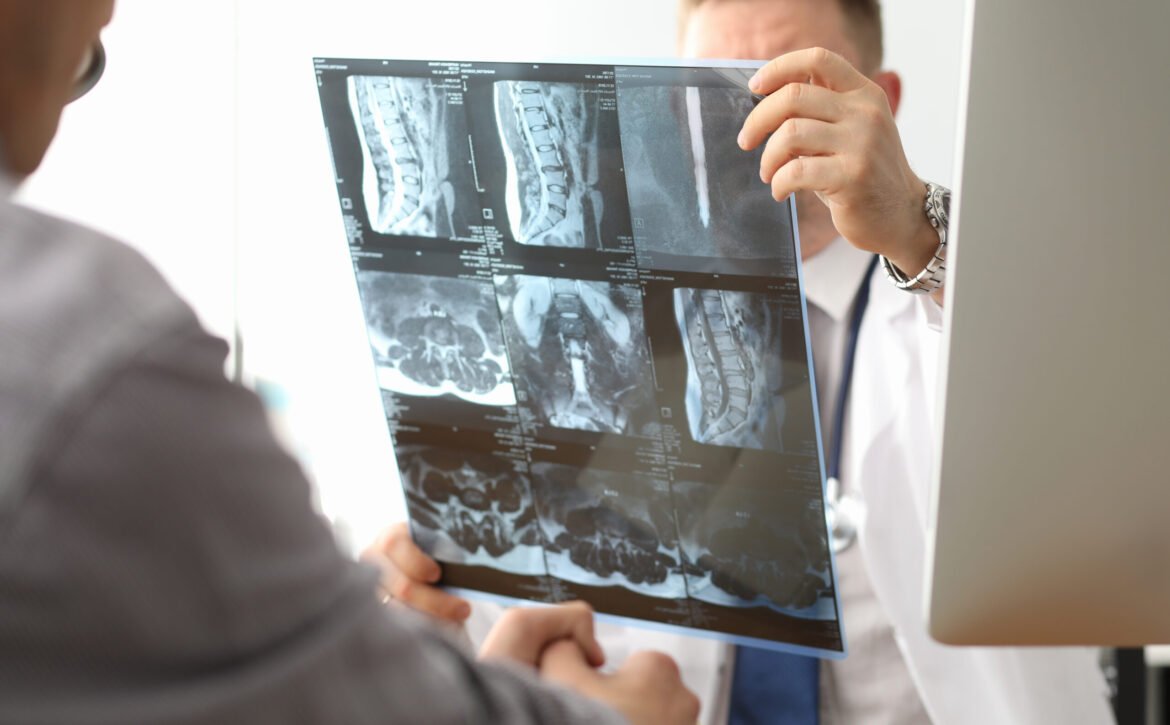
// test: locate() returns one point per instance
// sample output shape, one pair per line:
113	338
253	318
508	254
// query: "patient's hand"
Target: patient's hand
647	688
409	576
523	634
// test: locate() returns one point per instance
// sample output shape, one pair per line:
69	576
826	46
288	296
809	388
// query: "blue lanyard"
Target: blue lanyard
833	464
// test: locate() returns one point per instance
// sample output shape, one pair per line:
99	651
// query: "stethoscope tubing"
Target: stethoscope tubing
842	515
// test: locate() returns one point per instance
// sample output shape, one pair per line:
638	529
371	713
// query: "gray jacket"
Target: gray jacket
159	557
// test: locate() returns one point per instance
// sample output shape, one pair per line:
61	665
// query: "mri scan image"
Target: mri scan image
471	508
731	341
755	549
550	136
692	190
579	352
605	528
584	312
435	335
416	178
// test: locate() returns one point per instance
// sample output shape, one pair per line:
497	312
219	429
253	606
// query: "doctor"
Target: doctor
828	125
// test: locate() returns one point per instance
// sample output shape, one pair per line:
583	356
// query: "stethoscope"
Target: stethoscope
845	510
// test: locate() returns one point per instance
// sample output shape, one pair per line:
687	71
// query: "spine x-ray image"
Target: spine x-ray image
579	351
549	134
470	508
414	146
756	548
436	335
585	317
732	345
606	528
693	191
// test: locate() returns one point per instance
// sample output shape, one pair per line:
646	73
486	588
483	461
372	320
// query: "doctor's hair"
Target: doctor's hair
863	24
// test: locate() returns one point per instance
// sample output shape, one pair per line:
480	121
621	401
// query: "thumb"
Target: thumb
564	662
522	633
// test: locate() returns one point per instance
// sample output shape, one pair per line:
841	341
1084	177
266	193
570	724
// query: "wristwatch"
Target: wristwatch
937	208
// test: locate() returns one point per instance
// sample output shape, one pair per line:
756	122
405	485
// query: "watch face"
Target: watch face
937	208
938	205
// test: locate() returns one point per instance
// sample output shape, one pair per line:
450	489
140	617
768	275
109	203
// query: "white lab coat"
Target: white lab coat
887	456
891	431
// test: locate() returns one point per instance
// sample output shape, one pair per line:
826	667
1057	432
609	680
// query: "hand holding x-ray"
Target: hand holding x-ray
409	576
830	130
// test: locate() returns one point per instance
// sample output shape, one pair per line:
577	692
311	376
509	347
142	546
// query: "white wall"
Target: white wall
204	147
148	155
923	41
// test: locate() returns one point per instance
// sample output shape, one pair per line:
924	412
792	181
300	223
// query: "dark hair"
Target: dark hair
863	23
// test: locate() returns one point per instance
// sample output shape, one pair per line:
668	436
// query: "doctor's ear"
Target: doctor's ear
891	83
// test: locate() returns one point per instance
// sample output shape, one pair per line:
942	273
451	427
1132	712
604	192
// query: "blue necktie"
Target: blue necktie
773	688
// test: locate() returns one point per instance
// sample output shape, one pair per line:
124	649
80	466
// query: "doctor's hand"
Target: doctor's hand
409	576
830	130
646	688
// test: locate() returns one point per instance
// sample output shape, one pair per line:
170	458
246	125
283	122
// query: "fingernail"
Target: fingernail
463	611
434	575
754	83
741	140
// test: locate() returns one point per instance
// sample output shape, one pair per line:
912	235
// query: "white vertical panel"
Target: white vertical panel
1052	482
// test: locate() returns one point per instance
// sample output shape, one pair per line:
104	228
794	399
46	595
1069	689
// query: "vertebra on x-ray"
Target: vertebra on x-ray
549	134
471	508
435	335
579	352
609	529
731	341
415	167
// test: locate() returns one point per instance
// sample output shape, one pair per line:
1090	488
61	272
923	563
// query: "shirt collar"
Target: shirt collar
833	276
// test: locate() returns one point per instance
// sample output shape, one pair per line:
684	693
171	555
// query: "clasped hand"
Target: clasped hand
557	640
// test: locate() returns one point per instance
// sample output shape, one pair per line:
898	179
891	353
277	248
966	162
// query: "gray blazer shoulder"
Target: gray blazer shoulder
74	305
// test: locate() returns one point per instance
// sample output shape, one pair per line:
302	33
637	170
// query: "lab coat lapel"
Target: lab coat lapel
881	377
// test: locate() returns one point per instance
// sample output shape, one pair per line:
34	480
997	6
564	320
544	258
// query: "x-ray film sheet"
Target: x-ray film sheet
589	337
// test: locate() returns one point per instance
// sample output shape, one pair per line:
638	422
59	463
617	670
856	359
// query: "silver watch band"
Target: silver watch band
937	208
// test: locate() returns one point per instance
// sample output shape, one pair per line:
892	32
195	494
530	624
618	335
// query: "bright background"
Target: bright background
203	146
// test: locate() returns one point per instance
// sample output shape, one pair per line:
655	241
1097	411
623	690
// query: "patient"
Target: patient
160	558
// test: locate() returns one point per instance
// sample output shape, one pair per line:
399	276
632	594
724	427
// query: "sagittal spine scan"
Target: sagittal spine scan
578	348
609	529
471	508
693	191
436	335
402	124
549	136
732	346
751	548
